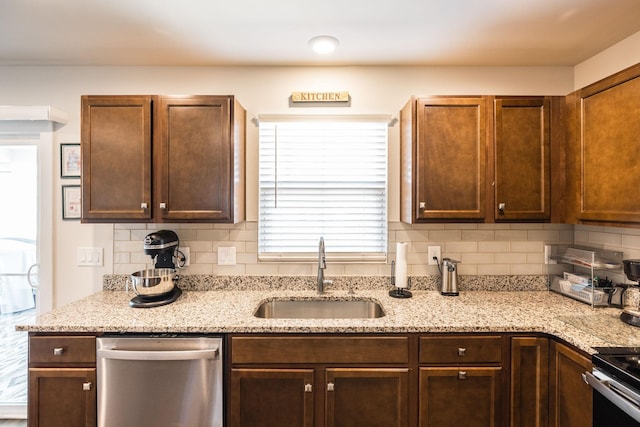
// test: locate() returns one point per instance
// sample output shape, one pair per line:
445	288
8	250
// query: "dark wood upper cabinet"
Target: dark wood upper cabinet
443	159
116	158
521	157
603	150
201	159
163	159
483	159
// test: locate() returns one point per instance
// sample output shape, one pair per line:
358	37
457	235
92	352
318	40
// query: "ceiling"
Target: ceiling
276	32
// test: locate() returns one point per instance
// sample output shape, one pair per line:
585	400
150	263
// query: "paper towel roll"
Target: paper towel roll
401	265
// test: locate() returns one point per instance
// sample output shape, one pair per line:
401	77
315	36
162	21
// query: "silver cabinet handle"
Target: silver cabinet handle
308	388
502	206
462	351
86	386
462	375
423	205
143	205
163	206
58	351
330	386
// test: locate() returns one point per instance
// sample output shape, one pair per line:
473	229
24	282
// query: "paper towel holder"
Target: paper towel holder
399	292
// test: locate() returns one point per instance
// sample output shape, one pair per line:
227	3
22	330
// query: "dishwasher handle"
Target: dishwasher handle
210	353
614	392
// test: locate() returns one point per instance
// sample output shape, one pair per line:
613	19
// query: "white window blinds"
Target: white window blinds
323	178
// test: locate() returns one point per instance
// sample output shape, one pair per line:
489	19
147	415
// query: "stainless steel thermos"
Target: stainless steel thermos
449	276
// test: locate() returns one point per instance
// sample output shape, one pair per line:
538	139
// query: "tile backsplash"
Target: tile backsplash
483	249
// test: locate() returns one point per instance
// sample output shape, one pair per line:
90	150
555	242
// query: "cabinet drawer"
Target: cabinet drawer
344	349
62	350
463	349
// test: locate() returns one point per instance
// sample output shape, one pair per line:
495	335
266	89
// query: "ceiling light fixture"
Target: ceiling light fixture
323	44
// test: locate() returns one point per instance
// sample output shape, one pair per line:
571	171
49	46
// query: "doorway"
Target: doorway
18	269
27	139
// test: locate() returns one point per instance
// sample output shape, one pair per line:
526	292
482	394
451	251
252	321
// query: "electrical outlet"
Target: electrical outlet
227	256
433	251
186	252
547	255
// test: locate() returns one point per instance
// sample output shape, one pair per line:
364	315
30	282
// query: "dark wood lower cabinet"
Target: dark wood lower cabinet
529	405
460	396
341	380
271	398
367	397
571	403
349	397
62	381
62	397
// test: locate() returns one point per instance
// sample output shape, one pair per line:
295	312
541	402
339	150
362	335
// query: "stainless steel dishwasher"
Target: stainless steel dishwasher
159	381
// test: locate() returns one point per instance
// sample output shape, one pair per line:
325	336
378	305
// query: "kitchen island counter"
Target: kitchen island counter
427	312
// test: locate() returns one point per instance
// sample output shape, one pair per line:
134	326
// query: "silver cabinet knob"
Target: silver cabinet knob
462	375
58	351
423	205
308	388
86	386
330	387
163	206
143	205
501	207
462	351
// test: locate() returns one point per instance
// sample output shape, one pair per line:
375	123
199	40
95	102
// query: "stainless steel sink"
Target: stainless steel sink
319	309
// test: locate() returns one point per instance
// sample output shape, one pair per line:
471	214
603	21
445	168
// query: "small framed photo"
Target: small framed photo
71	202
70	161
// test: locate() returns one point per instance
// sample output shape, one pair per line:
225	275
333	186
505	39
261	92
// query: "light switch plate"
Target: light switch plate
227	255
89	257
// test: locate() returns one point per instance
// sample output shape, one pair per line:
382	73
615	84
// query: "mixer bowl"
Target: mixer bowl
632	269
153	282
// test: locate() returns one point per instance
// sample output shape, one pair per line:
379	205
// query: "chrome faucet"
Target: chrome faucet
322	264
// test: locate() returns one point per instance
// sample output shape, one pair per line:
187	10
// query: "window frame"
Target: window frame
333	256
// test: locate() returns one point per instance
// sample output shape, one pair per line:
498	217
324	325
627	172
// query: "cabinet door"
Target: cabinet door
62	397
367	397
271	398
570	397
529	382
116	158
195	160
521	156
604	149
450	159
460	397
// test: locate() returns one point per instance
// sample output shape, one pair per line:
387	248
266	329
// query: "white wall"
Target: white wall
618	57
374	90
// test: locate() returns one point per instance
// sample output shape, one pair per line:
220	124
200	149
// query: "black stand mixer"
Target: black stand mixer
158	286
632	270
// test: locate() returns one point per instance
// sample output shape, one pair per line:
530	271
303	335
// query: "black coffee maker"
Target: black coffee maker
632	270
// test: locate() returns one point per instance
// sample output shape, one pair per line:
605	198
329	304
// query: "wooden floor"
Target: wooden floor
13	423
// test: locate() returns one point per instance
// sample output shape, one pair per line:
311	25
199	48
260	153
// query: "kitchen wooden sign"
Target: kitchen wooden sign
342	96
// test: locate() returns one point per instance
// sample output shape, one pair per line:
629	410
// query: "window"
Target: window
325	178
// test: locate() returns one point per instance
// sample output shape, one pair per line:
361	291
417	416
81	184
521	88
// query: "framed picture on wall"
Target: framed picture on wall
71	202
70	160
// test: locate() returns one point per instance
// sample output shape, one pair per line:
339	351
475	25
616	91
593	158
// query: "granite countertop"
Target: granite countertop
220	311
